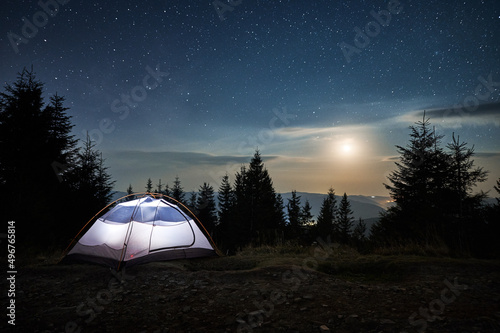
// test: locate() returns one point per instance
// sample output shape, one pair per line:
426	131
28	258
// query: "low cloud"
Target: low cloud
391	158
138	158
193	168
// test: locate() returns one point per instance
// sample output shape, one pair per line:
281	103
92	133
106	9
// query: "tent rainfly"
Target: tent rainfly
140	231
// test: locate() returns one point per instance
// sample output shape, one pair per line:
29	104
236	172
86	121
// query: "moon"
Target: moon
346	148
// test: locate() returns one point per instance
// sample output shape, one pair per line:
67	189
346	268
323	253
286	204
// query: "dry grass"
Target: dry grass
410	248
384	265
38	257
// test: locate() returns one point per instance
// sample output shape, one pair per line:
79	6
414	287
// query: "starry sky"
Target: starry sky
324	89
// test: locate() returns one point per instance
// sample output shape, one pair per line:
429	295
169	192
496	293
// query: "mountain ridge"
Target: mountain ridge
365	207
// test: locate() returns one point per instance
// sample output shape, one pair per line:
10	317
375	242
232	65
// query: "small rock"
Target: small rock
256	313
386	321
229	320
187	308
324	328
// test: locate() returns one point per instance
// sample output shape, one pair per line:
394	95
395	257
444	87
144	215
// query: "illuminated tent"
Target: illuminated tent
139	231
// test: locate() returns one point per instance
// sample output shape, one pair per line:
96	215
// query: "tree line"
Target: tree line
250	212
51	184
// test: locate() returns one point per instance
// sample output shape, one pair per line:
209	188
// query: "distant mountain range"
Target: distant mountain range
366	207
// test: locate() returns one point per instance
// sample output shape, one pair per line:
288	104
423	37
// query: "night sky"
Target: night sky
324	89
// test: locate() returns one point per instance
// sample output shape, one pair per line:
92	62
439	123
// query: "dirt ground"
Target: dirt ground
271	292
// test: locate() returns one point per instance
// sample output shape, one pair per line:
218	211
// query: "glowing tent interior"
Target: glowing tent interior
142	230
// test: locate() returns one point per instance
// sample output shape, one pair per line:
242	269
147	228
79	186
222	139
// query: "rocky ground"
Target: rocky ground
308	291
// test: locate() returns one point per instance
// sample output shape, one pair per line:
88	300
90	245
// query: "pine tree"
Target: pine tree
463	177
241	225
177	190
130	190
90	179
192	203
159	187
326	219
280	217
21	114
149	185
227	222
359	233
344	220
462	211
167	191
497	189
59	137
205	205
104	182
411	182
306	217
306	224
261	197
37	150
258	210
226	201
293	208
418	184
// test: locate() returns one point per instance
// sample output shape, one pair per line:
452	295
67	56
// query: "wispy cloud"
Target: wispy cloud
319	132
456	117
487	154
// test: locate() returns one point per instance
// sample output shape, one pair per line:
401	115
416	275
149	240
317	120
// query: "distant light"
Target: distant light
373	197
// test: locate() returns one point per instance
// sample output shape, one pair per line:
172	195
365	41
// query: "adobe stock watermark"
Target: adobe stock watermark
222	7
120	106
265	136
29	28
88	310
372	29
482	93
292	278
436	307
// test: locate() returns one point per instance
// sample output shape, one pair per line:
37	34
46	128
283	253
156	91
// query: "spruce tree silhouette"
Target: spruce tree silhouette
36	150
345	220
326	224
206	207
